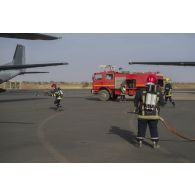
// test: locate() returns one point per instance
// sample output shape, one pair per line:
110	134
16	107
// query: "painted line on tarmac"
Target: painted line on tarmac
40	132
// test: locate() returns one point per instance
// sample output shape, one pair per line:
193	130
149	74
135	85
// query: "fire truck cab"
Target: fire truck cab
107	84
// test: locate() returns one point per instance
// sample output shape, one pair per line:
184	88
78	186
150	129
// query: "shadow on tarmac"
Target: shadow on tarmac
53	108
56	109
14	122
116	100
21	100
93	99
127	135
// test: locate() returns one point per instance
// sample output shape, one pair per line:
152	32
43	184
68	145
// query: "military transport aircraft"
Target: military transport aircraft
18	65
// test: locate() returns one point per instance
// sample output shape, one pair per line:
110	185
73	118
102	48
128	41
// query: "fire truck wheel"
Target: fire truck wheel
104	95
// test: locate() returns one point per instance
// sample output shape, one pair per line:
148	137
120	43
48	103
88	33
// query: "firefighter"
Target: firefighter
147	105
168	91
58	96
123	92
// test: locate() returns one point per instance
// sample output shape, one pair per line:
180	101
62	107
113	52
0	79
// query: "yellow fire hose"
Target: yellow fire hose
174	131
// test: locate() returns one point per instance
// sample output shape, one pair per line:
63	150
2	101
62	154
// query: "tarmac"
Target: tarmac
88	130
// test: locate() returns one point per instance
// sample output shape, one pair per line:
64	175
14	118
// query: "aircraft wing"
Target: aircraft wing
30	36
165	63
24	66
22	73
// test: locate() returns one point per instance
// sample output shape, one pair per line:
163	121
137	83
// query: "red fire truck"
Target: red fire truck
107	83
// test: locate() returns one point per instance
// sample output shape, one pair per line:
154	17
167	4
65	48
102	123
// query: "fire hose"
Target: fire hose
174	131
171	129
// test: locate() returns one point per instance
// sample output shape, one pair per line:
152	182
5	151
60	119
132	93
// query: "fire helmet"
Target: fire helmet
54	85
167	80
151	79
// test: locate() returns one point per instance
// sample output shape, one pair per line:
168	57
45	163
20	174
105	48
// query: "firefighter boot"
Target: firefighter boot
139	144
156	145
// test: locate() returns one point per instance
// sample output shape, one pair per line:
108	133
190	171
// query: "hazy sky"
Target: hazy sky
85	52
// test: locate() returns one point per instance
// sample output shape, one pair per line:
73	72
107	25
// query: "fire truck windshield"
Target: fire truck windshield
109	76
98	77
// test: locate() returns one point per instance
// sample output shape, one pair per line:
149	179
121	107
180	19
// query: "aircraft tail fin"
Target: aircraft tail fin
19	55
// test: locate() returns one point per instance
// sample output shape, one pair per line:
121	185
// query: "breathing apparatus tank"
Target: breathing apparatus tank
151	101
151	97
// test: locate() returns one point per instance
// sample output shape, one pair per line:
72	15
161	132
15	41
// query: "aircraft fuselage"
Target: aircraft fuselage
6	75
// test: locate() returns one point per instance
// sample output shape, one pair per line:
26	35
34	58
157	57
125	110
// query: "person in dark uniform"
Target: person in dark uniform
147	105
168	92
